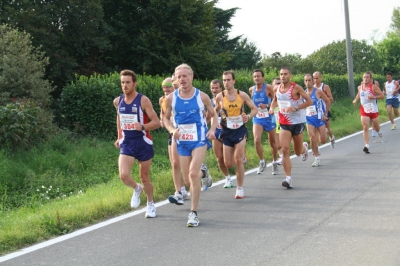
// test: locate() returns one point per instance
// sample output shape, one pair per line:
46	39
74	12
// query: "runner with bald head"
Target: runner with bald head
327	90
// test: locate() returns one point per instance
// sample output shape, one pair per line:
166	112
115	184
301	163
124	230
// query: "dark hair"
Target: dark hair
286	68
215	81
229	72
128	72
259	70
389	73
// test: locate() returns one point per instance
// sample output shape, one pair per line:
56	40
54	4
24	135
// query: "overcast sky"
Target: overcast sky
304	26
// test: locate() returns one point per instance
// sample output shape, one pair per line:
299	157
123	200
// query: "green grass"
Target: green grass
85	187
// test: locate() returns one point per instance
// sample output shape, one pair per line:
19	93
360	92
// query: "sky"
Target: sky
304	26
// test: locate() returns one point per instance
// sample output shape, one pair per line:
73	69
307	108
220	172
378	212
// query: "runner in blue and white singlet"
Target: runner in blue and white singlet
261	95
391	89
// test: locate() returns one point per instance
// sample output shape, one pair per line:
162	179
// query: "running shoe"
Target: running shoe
206	180
150	211
373	133
244	158
393	126
333	143
228	183
185	194
366	148
239	193
177	198
304	156
135	200
279	161
316	162
261	167
275	170
380	133
287	182
193	220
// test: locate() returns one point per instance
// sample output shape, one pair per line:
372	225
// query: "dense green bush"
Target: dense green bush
23	124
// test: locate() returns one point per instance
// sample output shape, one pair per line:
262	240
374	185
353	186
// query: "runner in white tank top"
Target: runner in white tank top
391	89
292	101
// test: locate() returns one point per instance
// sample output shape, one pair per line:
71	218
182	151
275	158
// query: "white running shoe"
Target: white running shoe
287	182
279	161
228	183
316	162
135	200
275	170
150	211
304	156
239	193
193	220
380	133
261	167
185	194
177	198
373	133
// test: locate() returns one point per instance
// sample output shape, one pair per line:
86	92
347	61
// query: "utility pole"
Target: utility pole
350	70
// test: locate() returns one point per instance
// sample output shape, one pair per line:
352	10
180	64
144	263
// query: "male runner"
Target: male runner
230	103
316	115
261	95
291	100
391	89
368	93
133	113
187	105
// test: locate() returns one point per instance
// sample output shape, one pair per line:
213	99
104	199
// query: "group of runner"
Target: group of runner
281	109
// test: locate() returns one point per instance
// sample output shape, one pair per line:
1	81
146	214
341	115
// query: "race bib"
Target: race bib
219	123
368	107
311	111
127	121
262	113
389	90
234	122
283	105
188	132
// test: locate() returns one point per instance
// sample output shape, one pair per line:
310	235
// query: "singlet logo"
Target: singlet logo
186	102
193	111
134	109
122	109
233	105
259	100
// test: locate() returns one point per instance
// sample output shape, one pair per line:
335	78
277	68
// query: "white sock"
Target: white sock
228	177
262	161
150	203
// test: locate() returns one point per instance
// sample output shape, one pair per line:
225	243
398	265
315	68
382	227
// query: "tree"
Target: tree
332	58
396	20
245	55
22	68
296	64
71	32
388	50
162	35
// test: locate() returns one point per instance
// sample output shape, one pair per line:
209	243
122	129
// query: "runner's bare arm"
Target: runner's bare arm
250	104
149	110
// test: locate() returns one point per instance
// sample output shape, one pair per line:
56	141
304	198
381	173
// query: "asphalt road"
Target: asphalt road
345	212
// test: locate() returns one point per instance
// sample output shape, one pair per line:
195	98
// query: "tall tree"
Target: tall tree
389	52
154	36
332	58
396	20
71	32
245	55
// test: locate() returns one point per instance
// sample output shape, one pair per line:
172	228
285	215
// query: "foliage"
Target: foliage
332	58
396	20
295	62
246	55
389	53
22	68
23	124
72	33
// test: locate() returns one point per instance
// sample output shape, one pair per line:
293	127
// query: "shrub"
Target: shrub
23	124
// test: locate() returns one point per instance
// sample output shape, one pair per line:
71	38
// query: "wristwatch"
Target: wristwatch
296	107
